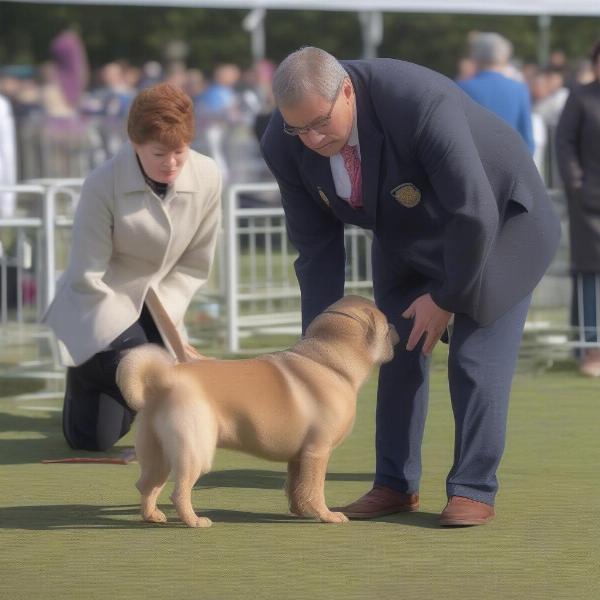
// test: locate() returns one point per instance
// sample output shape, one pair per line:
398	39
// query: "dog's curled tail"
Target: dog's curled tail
144	373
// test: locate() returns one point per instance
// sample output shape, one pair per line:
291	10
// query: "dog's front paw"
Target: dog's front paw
158	516
334	517
199	522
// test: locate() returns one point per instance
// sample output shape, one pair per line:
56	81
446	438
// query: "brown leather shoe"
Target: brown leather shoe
378	502
462	511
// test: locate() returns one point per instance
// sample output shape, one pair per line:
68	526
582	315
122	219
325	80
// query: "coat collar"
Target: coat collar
129	177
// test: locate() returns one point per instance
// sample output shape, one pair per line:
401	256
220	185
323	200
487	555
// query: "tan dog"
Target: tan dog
294	406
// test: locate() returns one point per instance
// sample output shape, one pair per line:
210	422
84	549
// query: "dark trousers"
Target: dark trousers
584	306
95	414
481	365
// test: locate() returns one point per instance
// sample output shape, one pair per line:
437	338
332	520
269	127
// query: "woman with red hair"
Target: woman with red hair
144	239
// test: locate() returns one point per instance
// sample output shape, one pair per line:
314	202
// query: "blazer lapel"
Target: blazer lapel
319	168
370	139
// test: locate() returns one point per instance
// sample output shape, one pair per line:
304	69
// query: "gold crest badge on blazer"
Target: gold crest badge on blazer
324	197
407	194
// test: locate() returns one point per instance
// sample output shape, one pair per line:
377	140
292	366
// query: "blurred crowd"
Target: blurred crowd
544	87
64	119
60	120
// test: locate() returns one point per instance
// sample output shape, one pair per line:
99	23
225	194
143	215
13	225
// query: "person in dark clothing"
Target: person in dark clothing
577	147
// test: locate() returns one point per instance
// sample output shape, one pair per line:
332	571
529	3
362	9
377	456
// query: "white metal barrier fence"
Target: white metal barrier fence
262	291
253	284
40	257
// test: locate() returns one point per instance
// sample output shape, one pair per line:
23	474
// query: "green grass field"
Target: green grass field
73	531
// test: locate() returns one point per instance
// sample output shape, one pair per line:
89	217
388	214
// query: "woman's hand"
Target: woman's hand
192	354
428	318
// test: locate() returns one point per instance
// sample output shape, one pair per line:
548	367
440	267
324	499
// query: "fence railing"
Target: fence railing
253	291
41	196
262	291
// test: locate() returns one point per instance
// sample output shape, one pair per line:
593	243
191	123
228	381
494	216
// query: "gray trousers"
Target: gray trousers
481	366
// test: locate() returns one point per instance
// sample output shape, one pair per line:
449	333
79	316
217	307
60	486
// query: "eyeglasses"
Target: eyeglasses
319	124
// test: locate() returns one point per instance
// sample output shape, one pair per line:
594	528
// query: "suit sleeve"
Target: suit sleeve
193	267
317	236
567	142
447	152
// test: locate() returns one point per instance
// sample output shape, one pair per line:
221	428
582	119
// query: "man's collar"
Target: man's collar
353	138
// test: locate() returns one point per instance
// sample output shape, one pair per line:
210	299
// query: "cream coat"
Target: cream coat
127	240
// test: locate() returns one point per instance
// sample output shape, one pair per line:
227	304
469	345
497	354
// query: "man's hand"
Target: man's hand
428	318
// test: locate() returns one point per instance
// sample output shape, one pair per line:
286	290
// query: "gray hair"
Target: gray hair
309	70
490	49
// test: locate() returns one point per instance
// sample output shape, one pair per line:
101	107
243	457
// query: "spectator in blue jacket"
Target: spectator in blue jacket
493	89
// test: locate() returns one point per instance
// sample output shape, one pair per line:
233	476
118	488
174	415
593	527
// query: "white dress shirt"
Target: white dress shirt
341	179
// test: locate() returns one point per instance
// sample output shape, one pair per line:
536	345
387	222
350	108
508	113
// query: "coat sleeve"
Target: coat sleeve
92	245
567	143
317	236
447	152
193	267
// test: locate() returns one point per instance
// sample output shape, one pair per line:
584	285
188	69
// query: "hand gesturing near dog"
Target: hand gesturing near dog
429	319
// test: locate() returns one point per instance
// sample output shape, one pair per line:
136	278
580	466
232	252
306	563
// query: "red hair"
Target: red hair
162	113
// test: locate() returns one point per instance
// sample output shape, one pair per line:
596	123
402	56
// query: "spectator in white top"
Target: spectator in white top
8	158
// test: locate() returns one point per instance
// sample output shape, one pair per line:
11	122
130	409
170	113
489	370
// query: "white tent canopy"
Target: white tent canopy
490	7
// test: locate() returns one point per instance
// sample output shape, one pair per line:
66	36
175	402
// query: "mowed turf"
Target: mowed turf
73	531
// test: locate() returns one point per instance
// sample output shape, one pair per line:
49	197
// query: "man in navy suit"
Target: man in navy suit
462	227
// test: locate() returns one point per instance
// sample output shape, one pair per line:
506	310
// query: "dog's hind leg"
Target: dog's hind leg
189	439
186	474
154	472
308	494
150	485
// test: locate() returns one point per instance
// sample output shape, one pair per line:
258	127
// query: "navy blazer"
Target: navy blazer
482	231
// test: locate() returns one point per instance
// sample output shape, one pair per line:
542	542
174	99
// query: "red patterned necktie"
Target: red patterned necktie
352	164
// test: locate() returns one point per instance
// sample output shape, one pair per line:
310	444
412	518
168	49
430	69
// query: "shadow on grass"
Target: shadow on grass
424	520
24	449
87	516
11	386
263	479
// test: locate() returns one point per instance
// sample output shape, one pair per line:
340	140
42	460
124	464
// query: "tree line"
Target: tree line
212	36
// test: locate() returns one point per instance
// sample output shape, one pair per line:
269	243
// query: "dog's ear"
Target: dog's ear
371	334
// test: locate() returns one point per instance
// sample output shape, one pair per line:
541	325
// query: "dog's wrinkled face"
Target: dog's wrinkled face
359	318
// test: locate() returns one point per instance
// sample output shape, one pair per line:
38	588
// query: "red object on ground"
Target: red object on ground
125	458
106	460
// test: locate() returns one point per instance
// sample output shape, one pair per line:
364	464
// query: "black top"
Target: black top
160	189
